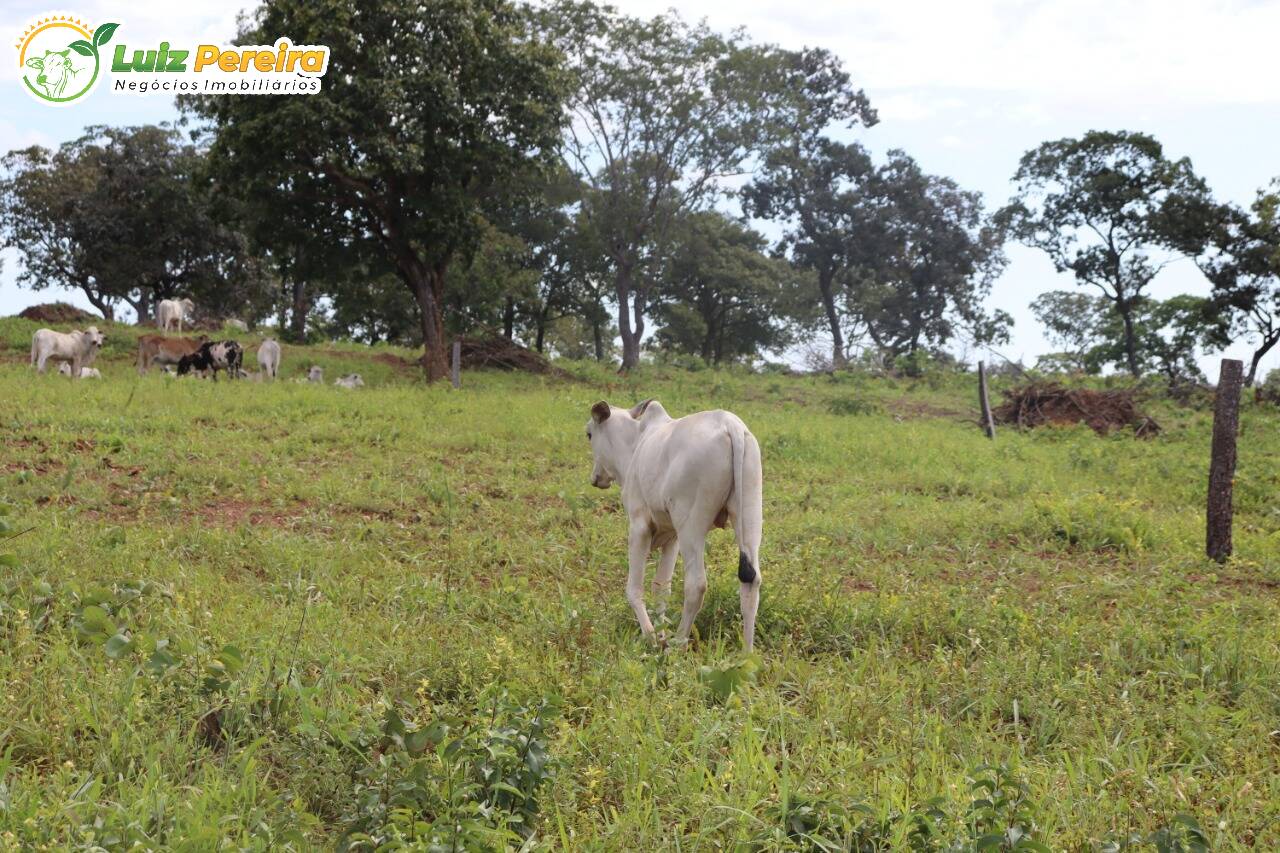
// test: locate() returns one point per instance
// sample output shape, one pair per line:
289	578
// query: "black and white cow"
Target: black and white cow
212	357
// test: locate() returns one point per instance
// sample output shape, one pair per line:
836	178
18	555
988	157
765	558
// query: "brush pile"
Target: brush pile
57	312
498	353
1043	403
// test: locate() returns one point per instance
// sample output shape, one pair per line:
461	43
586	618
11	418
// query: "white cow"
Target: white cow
269	358
85	372
78	348
173	312
351	380
238	325
680	478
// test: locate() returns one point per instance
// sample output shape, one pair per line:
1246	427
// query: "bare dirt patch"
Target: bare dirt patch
906	407
233	512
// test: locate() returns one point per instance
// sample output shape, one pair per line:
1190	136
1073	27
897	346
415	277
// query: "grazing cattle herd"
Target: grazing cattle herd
178	356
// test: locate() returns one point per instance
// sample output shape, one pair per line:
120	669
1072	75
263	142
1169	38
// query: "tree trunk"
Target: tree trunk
833	319
427	286
509	319
630	334
710	349
540	337
1130	337
597	332
103	306
139	308
143	307
1268	341
298	312
283	315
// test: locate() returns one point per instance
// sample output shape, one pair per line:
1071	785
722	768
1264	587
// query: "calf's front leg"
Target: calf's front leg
640	540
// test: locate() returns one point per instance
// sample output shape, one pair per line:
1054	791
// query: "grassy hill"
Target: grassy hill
294	615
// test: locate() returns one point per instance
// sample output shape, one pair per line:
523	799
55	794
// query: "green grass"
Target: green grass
281	615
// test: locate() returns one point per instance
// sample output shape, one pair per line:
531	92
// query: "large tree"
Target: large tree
1071	320
1098	206
426	109
1239	252
929	262
899	256
661	112
816	187
821	194
1170	333
719	295
122	215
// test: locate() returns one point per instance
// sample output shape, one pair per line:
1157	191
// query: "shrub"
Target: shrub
1096	522
852	406
454	784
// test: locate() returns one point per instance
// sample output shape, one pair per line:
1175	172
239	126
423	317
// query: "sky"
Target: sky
964	87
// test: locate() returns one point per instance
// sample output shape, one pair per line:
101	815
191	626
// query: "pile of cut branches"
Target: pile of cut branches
57	312
498	353
1043	403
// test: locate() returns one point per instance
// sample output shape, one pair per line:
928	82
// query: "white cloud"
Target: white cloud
1121	52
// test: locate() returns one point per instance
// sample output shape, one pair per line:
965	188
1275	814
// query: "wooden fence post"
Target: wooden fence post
1222	459
456	372
988	422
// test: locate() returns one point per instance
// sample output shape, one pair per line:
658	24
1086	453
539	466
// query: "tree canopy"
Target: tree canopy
426	111
1099	206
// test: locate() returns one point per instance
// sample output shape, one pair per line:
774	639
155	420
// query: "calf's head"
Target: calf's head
613	434
95	337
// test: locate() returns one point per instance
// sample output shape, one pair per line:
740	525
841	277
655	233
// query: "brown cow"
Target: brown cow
157	349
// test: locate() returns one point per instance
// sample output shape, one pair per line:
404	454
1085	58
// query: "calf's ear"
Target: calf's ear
638	409
600	412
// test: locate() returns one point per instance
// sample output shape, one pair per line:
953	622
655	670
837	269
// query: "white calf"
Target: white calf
269	358
78	348
85	372
173	312
351	380
680	478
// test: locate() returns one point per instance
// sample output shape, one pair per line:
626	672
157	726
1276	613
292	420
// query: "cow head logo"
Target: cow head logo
59	58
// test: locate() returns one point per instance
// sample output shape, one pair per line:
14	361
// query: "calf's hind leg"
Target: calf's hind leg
692	549
662	580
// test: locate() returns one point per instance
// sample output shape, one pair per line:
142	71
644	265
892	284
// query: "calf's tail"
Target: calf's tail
749	509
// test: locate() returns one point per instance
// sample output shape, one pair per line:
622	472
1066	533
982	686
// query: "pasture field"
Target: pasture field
269	616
